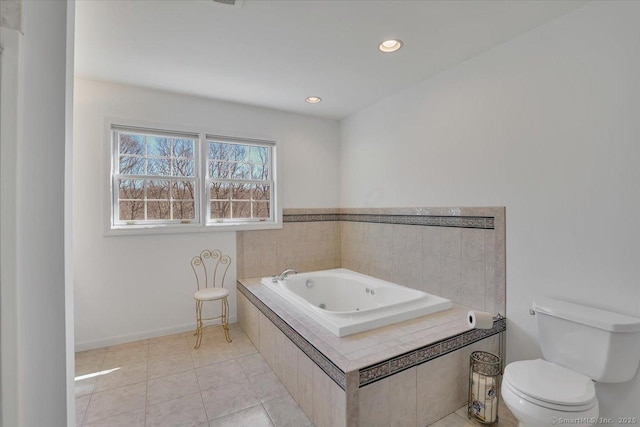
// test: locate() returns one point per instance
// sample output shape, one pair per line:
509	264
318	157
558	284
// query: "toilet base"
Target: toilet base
531	415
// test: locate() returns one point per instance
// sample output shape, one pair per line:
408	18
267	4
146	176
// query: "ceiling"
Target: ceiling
274	53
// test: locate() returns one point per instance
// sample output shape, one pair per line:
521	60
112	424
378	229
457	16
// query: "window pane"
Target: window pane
131	165
131	189
241	209
241	191
259	171
239	153
131	210
262	192
184	209
261	209
259	154
158	146
183	147
160	167
220	190
220	209
183	167
218	169
240	170
131	144
158	189
218	150
158	210
182	190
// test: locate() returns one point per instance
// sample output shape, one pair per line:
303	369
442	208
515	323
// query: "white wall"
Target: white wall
11	14
68	216
546	125
38	284
10	135
138	286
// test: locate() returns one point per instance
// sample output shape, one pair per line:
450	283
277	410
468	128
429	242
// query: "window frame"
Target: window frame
202	201
118	177
208	179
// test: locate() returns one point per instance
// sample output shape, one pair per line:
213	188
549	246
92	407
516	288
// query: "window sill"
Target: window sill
146	230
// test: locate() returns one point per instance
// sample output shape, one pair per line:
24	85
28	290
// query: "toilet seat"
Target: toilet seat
550	386
547	405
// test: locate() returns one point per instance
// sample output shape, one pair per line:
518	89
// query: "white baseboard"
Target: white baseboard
121	339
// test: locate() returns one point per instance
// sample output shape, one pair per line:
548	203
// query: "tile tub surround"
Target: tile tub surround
456	253
346	370
308	246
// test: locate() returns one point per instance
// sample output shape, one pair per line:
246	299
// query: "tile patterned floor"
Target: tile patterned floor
461	419
165	382
455	420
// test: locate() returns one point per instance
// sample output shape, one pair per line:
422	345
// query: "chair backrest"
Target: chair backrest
210	268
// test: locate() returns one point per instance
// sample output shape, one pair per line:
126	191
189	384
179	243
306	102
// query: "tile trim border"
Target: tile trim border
379	370
481	222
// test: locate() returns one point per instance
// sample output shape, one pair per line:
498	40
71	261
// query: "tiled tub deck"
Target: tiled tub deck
412	373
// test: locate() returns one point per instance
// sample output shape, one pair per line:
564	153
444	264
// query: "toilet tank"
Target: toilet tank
602	345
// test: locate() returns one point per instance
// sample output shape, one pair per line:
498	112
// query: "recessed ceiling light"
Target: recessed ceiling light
390	45
313	99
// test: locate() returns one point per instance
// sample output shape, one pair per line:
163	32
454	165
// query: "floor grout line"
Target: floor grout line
146	392
264	408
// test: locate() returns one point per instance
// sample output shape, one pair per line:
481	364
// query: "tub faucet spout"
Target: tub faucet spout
284	275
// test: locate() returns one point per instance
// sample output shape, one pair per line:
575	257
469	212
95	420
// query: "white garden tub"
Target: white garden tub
346	302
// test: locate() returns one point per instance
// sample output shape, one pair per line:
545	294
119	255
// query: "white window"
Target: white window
239	180
156	181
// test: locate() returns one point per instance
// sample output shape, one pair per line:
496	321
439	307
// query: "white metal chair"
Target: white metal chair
210	269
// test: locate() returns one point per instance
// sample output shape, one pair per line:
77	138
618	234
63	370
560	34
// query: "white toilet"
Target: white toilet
580	345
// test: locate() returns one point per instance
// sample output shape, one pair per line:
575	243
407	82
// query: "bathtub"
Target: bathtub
346	302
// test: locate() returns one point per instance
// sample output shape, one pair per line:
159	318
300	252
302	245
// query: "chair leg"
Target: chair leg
225	318
198	332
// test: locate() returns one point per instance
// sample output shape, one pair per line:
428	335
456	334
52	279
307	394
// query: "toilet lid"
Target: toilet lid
551	383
